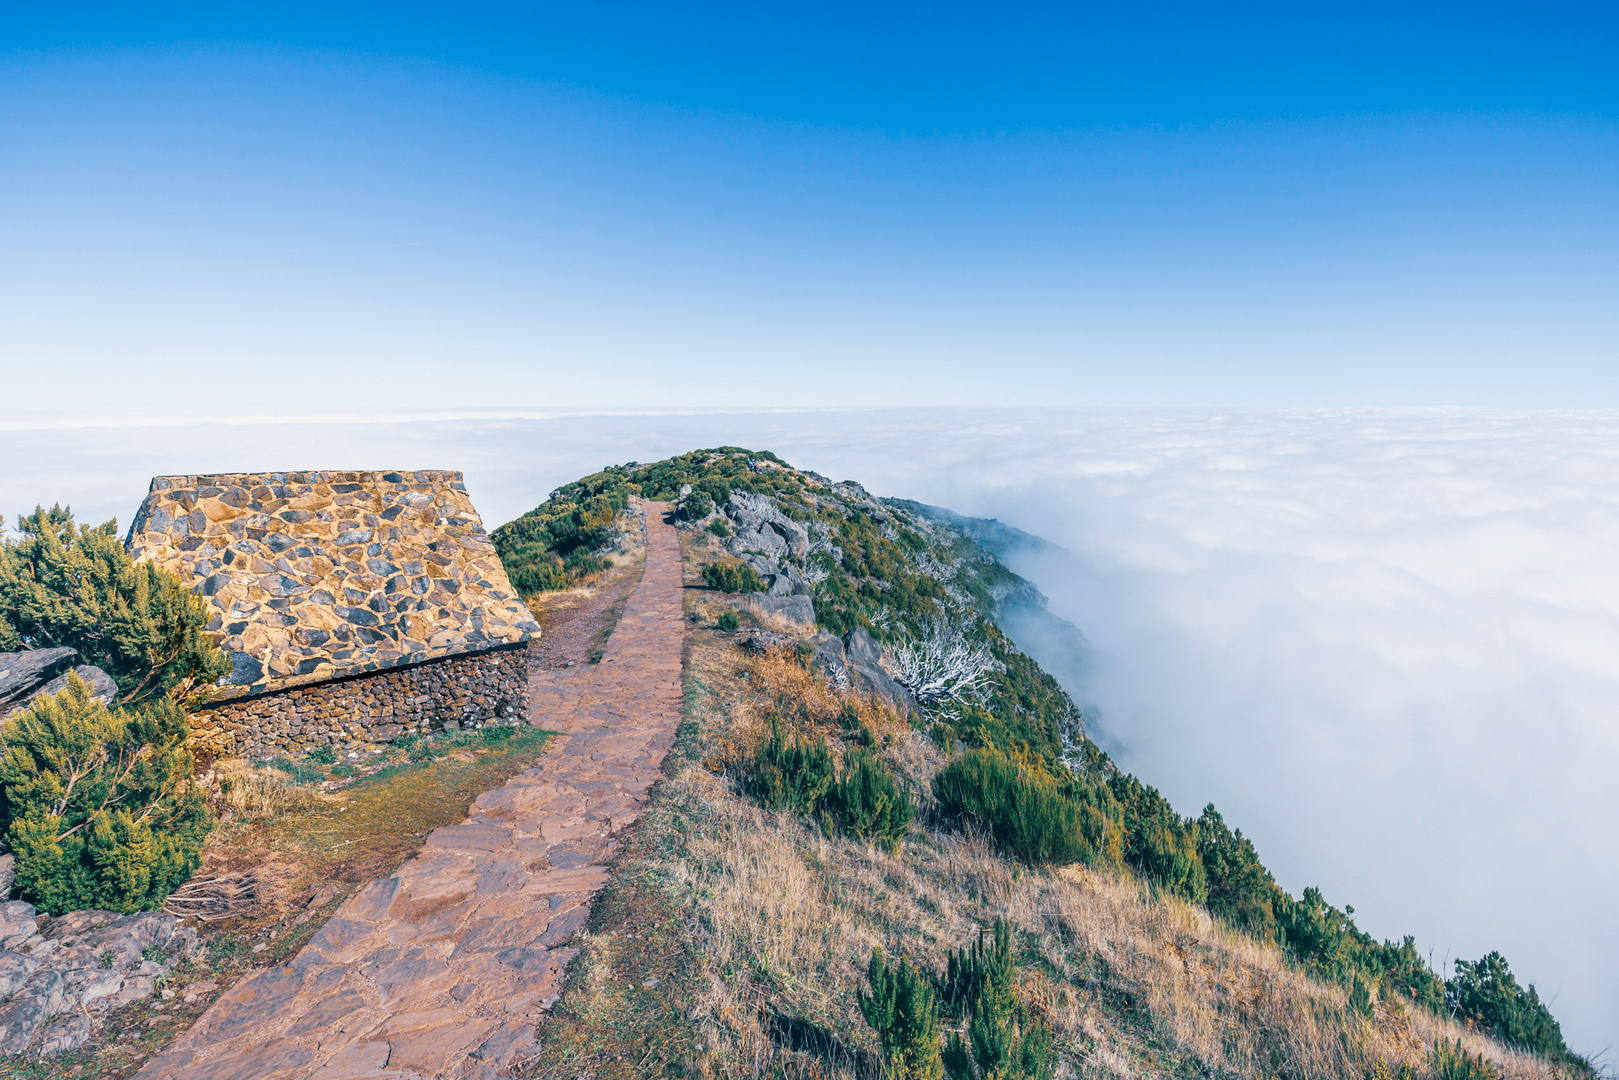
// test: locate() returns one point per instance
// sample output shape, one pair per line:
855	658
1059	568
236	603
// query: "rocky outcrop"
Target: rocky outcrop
762	528
855	661
28	674
58	979
796	611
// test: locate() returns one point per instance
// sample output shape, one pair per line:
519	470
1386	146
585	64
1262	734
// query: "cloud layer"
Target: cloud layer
1385	643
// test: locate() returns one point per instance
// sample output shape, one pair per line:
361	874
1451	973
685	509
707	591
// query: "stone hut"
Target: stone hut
355	606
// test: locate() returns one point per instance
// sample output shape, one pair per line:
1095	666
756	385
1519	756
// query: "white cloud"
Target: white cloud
1385	643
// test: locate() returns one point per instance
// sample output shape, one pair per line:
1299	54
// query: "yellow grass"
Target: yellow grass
1134	984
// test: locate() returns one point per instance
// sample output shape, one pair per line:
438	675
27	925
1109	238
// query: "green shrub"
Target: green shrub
322	755
1003	1039
1240	889
1028	814
719	528
728	621
867	803
343	770
1157	842
696	506
497	732
904	1013
63	584
98	805
1486	993
791	774
731	578
1451	1062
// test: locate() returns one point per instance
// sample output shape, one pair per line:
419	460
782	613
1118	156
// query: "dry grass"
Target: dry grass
770	925
258	792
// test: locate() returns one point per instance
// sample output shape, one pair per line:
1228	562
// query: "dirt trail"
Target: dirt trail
444	969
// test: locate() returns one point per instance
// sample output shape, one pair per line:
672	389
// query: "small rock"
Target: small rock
18	923
260	947
8	874
71	1034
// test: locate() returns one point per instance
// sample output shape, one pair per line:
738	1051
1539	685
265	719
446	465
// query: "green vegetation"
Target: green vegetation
63	584
1003	1039
903	1011
1486	993
867	802
98	805
730	578
556	544
697	506
728	621
559	542
1027	812
1451	1062
322	755
792	774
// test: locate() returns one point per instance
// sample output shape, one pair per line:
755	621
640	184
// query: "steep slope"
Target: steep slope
900	777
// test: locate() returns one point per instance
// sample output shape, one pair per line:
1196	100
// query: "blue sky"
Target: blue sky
468	208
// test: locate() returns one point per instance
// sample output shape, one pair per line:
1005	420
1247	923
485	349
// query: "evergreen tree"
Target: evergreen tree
1004	1040
1240	889
904	1012
99	805
868	803
1486	994
63	584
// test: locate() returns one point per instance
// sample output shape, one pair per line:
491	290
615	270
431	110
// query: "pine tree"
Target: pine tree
63	584
904	1012
99	805
1004	1040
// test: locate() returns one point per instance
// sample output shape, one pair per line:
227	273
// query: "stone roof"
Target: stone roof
316	575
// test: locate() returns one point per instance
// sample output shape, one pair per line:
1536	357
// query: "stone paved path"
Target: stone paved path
444	969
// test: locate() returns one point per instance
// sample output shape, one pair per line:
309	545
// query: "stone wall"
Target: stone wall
350	713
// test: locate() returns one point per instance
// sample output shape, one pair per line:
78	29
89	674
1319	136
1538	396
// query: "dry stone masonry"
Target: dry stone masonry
354	605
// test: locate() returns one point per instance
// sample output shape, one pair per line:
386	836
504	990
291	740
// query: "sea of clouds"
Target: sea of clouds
1383	642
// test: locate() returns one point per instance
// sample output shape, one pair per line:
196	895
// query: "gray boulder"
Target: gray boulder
102	688
8	874
18	923
853	661
23	673
794	610
760	526
26	675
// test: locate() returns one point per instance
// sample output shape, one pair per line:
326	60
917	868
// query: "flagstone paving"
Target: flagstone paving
444	969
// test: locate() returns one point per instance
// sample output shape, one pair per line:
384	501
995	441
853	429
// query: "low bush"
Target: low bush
1004	1040
1027	813
695	507
322	755
903	1012
719	528
728	621
1487	994
791	774
867	803
1451	1062
730	578
99	805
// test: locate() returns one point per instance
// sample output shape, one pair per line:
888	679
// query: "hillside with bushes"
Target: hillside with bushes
930	870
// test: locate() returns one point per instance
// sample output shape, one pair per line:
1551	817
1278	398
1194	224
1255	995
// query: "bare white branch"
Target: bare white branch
940	665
